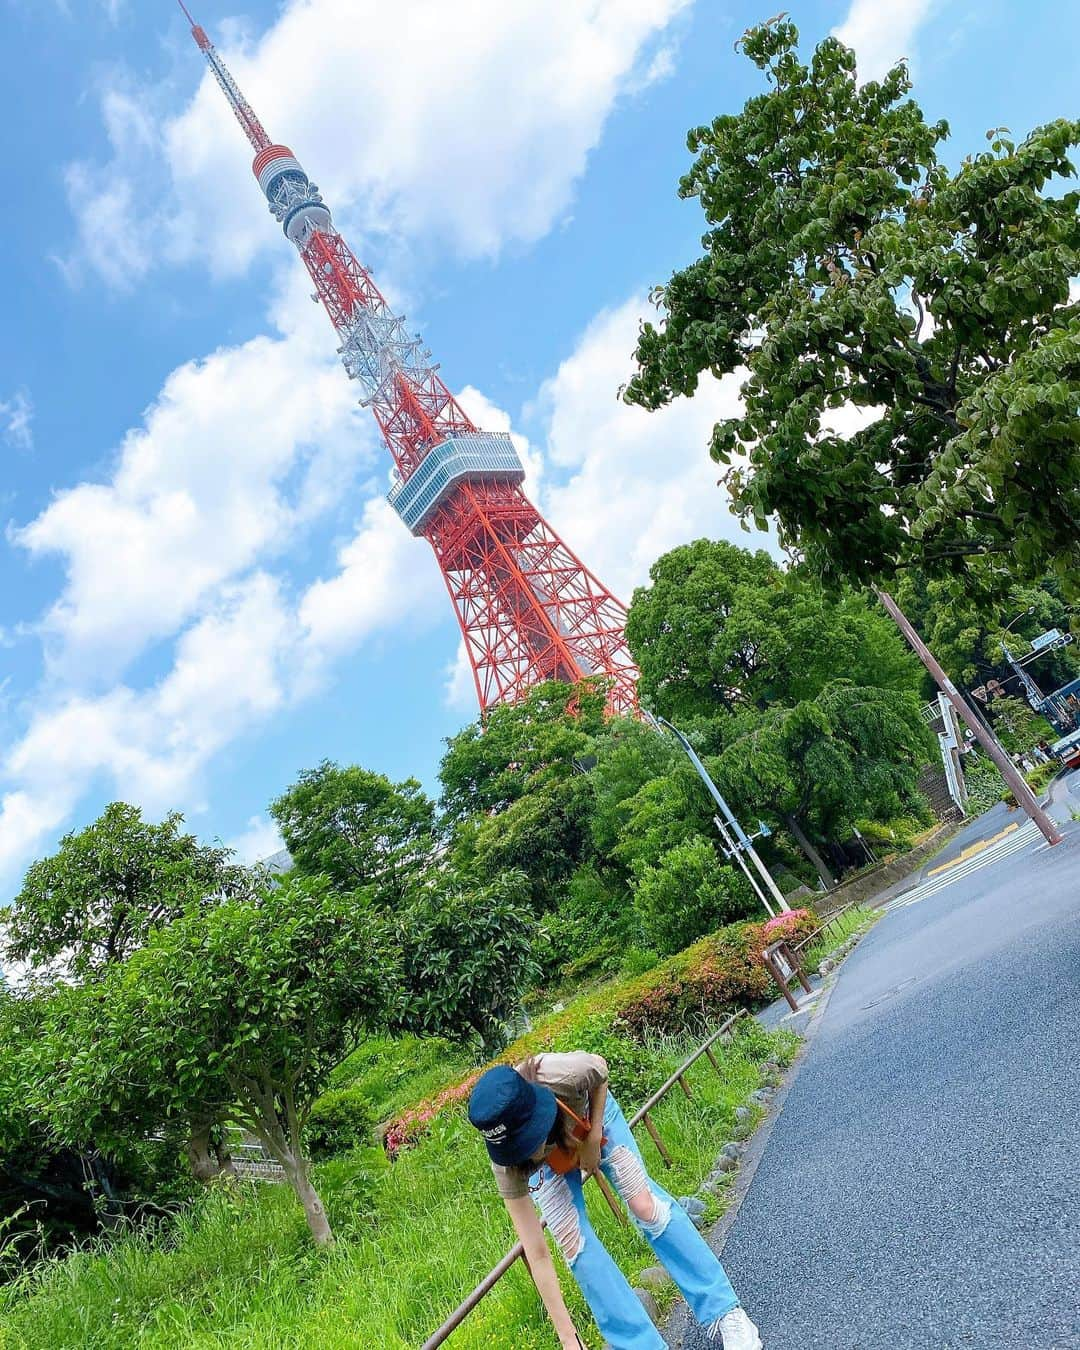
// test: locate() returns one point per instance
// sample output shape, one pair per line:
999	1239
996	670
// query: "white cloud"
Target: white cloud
464	125
151	746
259	841
198	500
620	485
636	483
238	452
384	578
16	414
881	33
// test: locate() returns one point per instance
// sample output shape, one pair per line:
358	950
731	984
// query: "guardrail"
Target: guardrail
799	947
643	1115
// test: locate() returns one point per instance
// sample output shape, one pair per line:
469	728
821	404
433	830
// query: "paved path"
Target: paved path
921	1188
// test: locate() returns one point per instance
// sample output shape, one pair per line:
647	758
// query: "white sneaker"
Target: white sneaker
737	1331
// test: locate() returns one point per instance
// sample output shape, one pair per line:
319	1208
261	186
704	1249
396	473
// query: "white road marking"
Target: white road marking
1012	843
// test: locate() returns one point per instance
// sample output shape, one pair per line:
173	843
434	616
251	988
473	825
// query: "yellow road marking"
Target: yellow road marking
972	849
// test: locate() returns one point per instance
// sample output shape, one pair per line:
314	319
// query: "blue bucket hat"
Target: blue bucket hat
514	1116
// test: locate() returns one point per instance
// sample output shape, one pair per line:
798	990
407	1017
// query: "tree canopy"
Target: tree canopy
236	1014
721	629
910	346
109	886
357	828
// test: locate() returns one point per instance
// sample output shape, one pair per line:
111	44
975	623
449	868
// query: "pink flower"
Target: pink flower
785	920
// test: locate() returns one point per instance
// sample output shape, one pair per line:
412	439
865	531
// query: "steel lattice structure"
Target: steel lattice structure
528	608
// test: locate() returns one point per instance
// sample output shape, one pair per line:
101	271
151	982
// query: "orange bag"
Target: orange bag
562	1160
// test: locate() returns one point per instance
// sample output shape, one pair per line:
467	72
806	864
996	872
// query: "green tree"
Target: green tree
965	630
721	629
687	894
50	1193
517	790
235	1014
663	814
629	754
109	886
518	747
911	351
1018	726
466	959
850	753
358	828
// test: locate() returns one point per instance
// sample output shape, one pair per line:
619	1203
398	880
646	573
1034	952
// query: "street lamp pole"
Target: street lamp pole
742	842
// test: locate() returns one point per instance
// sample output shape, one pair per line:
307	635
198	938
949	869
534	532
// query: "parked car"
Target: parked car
1068	750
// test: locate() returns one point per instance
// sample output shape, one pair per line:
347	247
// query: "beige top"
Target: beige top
573	1077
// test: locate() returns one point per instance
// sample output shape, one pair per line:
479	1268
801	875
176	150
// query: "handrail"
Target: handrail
518	1251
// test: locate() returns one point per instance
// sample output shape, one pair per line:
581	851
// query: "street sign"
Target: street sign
1047	639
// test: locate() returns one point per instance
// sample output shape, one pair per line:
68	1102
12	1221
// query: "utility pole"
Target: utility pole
1023	794
742	842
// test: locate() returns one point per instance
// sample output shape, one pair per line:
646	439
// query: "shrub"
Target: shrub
1039	778
984	784
637	962
687	894
341	1120
693	990
592	924
783	925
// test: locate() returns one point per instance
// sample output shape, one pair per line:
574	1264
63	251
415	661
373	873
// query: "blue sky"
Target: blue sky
201	589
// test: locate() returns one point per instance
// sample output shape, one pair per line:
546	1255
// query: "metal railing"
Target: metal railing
799	947
643	1115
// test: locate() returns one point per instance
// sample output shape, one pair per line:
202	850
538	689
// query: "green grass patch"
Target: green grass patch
415	1236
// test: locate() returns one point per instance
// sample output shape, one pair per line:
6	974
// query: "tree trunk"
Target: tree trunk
209	1161
811	852
296	1171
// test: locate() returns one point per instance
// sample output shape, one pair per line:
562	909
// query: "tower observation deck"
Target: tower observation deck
529	610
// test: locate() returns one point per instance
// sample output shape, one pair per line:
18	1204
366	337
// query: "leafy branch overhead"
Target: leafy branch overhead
910	345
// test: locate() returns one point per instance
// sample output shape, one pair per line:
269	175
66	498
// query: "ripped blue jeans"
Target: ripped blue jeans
679	1247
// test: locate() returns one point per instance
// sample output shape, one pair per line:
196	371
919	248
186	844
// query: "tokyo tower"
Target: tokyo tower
528	608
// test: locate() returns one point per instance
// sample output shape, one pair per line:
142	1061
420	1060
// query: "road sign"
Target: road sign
1047	639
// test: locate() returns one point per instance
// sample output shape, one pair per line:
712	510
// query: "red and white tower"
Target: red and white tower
528	608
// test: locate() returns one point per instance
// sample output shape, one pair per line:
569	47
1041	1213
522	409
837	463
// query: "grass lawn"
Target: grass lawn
414	1237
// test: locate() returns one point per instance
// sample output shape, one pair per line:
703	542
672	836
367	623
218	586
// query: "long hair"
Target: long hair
560	1131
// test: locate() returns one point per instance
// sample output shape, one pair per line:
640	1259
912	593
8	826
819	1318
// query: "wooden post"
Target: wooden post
657	1140
686	1088
609	1196
712	1058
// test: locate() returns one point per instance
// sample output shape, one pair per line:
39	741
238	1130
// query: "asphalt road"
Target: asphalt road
921	1187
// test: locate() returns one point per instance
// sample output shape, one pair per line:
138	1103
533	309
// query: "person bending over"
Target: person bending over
549	1124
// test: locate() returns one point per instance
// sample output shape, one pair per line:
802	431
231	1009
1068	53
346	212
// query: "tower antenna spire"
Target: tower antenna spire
245	114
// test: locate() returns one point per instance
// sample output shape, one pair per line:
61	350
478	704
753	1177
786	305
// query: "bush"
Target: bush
341	1120
892	836
1039	778
637	962
695	989
687	894
984	785
591	926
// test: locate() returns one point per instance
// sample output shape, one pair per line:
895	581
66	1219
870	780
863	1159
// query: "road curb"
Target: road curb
678	1322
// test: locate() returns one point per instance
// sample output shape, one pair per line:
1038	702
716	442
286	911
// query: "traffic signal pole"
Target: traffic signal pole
1024	796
